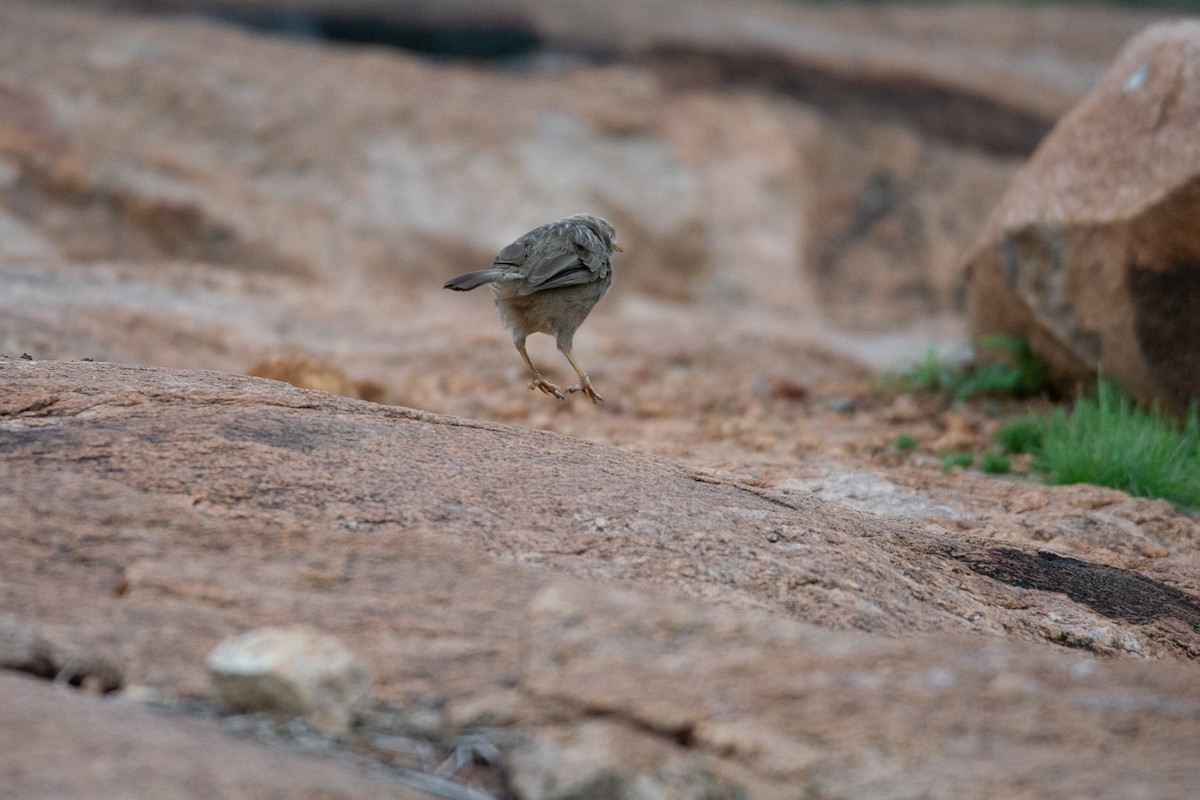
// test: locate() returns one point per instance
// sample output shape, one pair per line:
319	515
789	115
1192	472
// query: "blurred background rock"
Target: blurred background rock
814	169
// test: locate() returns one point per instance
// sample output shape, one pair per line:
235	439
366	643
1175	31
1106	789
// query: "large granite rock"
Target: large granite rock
150	513
1094	252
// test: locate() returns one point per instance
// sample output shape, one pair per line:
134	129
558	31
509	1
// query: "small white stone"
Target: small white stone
297	670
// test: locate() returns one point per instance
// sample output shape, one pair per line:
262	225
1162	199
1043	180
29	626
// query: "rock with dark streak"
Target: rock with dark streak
1094	252
752	639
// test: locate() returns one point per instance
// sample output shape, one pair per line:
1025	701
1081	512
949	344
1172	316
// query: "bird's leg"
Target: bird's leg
538	381
585	383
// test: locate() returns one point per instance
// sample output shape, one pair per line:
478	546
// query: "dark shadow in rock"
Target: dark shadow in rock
1166	302
500	38
1114	592
948	114
84	671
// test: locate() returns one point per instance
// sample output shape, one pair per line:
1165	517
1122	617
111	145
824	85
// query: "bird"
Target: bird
548	281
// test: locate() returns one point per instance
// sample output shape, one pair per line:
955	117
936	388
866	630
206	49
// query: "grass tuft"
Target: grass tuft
1109	441
957	458
1005	367
1022	435
995	463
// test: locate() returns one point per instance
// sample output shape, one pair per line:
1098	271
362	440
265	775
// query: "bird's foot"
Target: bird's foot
546	386
585	386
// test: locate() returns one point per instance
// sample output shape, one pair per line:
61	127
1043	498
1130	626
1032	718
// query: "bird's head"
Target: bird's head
601	227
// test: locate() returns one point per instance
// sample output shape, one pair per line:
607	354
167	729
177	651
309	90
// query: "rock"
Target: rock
180	507
1093	253
868	492
204	450
295	671
993	76
766	708
308	373
57	742
48	654
746	198
600	758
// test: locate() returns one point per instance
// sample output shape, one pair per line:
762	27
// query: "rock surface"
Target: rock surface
1094	254
171	508
771	709
56	742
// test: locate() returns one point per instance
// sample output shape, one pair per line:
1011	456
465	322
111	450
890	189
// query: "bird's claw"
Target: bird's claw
546	386
585	386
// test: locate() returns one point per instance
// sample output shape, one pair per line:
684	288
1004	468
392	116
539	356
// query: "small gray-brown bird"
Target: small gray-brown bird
547	282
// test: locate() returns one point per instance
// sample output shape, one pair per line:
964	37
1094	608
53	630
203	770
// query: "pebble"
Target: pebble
297	670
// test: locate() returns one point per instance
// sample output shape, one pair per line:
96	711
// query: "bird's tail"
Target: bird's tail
464	283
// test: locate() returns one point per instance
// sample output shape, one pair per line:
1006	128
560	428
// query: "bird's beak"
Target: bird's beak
618	248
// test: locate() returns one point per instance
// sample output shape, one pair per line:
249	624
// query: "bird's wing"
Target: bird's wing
564	255
513	255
